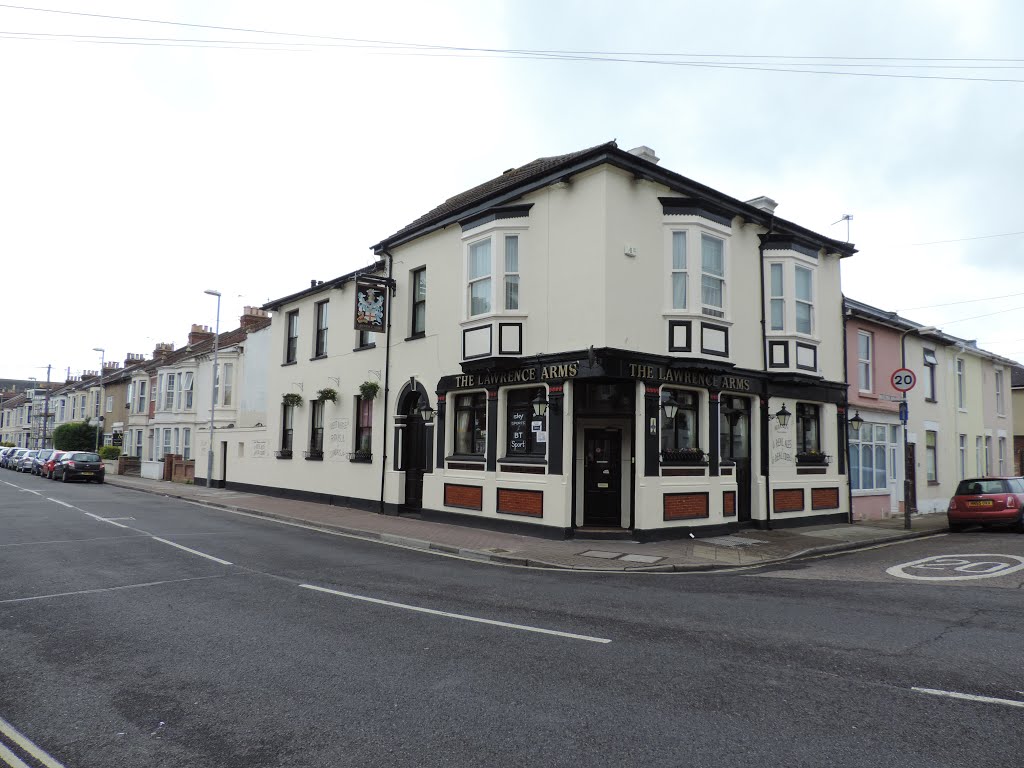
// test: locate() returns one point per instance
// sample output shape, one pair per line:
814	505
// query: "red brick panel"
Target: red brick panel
465	496
728	503
824	498
685	506
789	500
514	502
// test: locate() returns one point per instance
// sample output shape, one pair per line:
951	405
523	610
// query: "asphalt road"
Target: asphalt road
122	643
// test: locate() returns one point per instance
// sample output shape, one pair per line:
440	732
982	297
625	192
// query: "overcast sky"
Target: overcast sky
134	176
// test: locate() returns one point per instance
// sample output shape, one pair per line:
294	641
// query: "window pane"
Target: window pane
803	318
713	255
776	279
679	290
420	290
711	291
480	297
512	292
778	312
880	475
855	466
867	470
879	433
512	253
480	259
864	346
419	318
803	284
864	377
678	250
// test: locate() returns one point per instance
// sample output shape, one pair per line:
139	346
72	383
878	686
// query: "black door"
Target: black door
910	481
414	460
223	465
735	447
602	477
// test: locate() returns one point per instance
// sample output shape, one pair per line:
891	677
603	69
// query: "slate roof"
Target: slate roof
516	182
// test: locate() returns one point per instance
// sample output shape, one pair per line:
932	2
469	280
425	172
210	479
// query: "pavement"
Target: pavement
743	549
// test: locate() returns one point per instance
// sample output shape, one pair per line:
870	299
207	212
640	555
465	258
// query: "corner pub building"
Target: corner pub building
591	342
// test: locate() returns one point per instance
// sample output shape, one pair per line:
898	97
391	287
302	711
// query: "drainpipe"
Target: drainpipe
387	379
846	423
765	463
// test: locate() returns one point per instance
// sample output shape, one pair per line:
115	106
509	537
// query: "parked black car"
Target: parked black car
79	465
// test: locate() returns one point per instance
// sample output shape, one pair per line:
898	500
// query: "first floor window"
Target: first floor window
110	404
679	432
320	343
479	278
169	393
316	427
1002	456
864	350
512	272
287	426
152	446
778	298
229	374
471	424
712	287
930	365
522	434
167	442
291	344
138	443
186	443
931	461
808	432
963	456
869	451
364	426
679	270
142	397
189	387
419	301
804	300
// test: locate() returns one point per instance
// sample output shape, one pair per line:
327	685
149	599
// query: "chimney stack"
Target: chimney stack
162	350
764	203
133	358
252	317
645	153
199	333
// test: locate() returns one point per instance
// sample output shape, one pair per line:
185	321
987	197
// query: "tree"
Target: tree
78	436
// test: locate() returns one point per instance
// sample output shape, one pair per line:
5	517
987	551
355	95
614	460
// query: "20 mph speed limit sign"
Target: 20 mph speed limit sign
903	380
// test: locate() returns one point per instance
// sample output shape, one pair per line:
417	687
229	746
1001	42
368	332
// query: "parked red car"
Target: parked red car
987	501
46	469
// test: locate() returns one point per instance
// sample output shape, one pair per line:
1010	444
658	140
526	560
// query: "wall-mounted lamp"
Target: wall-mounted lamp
540	404
426	412
782	416
856	423
670	407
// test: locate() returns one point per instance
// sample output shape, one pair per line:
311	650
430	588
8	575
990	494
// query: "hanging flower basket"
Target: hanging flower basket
684	456
292	399
368	390
327	394
813	457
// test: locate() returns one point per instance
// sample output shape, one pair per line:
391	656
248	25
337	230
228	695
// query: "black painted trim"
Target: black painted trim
774	343
490	341
368	505
688	206
496	214
652	443
704	350
440	424
492	430
501	338
556	421
790	243
714	431
842	440
796	356
672	325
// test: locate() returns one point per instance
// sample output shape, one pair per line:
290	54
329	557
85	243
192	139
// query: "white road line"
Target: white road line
105	520
11	732
11	759
29	490
10	484
970	697
431	611
179	546
105	589
62	503
74	541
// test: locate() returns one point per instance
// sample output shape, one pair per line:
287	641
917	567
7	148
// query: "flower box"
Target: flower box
813	457
684	456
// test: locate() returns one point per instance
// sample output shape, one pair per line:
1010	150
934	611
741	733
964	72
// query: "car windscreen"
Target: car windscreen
978	487
85	457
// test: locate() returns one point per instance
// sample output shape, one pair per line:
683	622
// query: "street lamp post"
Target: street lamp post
908	484
99	418
213	390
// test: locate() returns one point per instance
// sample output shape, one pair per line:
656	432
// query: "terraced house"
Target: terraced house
587	341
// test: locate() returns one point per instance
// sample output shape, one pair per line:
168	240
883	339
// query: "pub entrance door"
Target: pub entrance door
734	432
414	451
602	477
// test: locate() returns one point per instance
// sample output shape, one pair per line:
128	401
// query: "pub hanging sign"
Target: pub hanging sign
371	306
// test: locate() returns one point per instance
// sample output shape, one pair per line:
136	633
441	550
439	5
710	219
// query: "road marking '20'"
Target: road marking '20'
957	567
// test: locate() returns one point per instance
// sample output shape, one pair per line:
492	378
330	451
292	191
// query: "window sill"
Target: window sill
933	483
523	460
867	394
318	357
371	345
471	457
930	400
420	335
497	315
289	362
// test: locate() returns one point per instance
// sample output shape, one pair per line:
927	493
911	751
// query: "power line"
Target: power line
555	55
976	317
965	239
965	301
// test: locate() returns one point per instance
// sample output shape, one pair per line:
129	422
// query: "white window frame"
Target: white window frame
678	236
189	388
509	277
776	299
712	310
809	303
169	392
186	443
495	233
963	456
228	383
865	365
487	277
1002	456
1000	392
961	384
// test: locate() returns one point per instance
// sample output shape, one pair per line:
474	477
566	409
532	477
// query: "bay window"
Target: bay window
189	387
679	273
804	300
492	284
229	374
712	287
778	298
169	393
479	278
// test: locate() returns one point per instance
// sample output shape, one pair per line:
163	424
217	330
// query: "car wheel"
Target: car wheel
63	477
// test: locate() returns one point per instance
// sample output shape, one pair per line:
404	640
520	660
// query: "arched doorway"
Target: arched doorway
413	453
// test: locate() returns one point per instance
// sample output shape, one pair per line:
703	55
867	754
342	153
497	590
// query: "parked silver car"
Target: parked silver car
25	462
14	458
6	453
39	460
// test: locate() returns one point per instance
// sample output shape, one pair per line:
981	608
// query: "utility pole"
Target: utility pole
46	405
